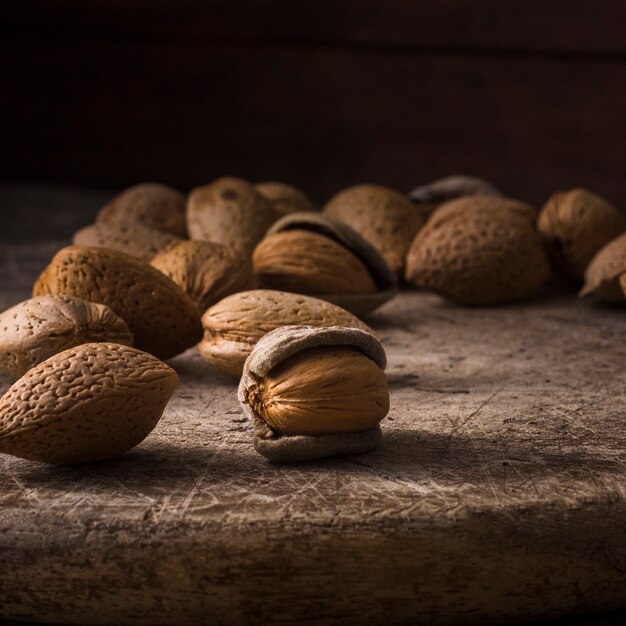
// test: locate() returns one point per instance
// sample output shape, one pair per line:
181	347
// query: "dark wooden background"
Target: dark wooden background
530	94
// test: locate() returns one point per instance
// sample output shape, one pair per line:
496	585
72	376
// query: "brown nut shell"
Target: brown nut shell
163	319
151	204
206	271
85	404
129	237
622	283
285	198
229	211
574	226
275	348
36	329
602	276
478	258
381	287
233	326
382	216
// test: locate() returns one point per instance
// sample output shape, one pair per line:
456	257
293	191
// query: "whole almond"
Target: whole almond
150	204
85	404
231	212
36	329
285	198
233	326
132	238
574	226
478	258
382	216
602	276
161	316
206	271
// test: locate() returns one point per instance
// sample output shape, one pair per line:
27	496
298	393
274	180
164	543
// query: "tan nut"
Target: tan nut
285	198
602	276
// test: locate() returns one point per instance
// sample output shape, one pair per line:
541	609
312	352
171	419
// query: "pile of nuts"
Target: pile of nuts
270	289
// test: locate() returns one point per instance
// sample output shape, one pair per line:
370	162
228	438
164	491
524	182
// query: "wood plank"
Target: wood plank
586	26
498	494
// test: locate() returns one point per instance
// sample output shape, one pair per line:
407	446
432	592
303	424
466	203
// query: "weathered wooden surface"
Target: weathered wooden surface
499	492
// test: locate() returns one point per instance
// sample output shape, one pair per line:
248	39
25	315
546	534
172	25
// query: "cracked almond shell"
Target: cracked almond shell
316	255
285	198
574	226
233	326
36	329
163	319
85	404
151	204
132	238
382	216
602	276
229	211
478	258
275	355
206	271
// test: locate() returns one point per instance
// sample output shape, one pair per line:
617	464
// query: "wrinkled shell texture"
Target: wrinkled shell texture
307	262
452	187
285	198
622	282
206	271
473	205
229	211
603	273
163	319
132	238
478	258
233	326
575	225
151	204
88	403
322	390
36	329
385	218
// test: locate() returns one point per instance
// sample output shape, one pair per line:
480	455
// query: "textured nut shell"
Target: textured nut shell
229	211
151	204
384	277
603	273
163	319
36	329
88	403
273	349
479	258
622	283
382	216
233	326
206	271
451	187
132	238
574	226
285	198
474	205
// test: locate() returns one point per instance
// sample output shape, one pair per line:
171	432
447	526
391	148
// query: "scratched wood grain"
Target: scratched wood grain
499	492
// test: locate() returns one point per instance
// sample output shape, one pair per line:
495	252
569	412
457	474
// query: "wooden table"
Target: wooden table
498	494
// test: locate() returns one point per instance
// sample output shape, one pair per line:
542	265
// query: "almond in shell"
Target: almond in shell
603	274
285	198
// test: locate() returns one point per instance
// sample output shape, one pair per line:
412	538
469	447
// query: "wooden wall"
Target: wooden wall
530	94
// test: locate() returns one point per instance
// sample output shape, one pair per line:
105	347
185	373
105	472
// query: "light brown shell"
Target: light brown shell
206	271
132	238
430	196
478	258
574	225
382	216
85	404
602	277
163	319
385	280
233	326
285	198
622	282
36	329
229	211
150	204
279	345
